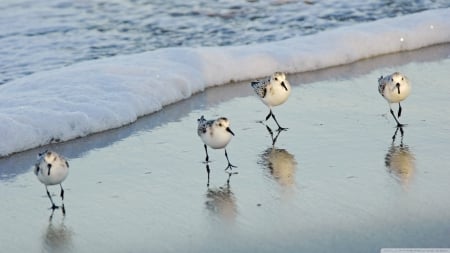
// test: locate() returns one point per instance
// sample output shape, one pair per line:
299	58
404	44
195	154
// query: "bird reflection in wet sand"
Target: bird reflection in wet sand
230	173
274	138
222	202
57	238
279	162
399	160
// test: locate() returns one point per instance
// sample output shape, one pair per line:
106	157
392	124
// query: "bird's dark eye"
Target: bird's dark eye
276	79
392	79
402	78
220	124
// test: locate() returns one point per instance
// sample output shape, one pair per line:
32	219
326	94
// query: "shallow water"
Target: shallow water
43	35
335	181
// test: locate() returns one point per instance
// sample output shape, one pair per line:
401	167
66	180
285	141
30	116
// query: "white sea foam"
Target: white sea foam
98	95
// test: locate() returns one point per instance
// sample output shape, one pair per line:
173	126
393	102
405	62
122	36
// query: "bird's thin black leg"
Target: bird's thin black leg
279	127
206	151
51	200
399	113
271	134
270	131
268	115
62	192
396	120
230	166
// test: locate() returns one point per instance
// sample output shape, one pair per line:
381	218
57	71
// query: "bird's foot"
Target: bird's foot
230	167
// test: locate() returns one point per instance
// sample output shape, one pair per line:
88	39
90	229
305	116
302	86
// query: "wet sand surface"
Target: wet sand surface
334	182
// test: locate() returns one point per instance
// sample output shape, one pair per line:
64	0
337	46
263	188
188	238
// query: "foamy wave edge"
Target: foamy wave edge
95	96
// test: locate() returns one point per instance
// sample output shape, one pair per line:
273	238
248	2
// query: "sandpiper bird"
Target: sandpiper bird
52	169
394	88
215	134
273	91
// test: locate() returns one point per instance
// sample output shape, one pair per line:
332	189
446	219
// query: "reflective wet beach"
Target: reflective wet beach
335	181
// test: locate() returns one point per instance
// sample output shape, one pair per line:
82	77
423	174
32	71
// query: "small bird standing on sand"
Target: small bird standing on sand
273	91
394	88
52	169
215	134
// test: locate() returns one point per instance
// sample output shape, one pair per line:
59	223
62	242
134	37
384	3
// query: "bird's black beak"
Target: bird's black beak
229	130
398	87
49	166
284	85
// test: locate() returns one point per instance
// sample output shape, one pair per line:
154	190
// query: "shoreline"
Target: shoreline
94	96
433	53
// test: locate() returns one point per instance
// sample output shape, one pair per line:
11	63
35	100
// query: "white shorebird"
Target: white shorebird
394	88
215	134
52	169
273	91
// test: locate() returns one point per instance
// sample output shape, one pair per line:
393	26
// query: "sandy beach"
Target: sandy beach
334	182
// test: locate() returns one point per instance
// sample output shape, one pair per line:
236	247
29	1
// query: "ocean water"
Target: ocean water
71	69
43	35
